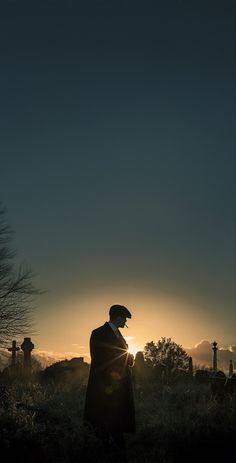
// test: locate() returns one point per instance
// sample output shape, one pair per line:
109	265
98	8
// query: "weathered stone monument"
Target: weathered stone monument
230	385
13	351
214	348
27	346
231	368
218	384
190	366
142	373
202	376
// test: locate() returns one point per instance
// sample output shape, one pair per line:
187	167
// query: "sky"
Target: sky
118	165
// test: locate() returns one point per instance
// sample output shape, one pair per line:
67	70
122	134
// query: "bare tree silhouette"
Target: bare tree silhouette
17	291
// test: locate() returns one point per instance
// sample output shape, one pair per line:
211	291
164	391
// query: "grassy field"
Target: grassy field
43	423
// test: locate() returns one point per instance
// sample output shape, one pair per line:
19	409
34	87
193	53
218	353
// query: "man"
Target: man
109	404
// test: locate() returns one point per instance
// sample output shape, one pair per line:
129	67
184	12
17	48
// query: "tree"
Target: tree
167	354
16	289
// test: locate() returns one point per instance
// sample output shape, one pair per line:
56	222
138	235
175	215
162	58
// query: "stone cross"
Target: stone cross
27	346
13	351
214	348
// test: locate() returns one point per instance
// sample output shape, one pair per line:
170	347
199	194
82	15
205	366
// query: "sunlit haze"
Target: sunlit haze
153	315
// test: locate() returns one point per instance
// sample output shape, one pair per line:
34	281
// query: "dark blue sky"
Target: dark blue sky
118	145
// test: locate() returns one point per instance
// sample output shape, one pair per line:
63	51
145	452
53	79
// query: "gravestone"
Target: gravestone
230	385
27	346
13	351
141	371
202	376
218	380
190	366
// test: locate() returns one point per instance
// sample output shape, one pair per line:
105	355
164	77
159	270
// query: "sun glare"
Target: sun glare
133	349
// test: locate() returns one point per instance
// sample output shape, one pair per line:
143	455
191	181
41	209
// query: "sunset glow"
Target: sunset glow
154	314
133	349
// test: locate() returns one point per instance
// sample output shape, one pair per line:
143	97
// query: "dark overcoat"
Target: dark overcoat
109	399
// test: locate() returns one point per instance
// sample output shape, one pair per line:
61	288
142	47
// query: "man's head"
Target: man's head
118	315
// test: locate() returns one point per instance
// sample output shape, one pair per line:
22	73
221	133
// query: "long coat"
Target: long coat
109	399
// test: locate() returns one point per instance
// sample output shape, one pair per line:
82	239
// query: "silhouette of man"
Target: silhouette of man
109	403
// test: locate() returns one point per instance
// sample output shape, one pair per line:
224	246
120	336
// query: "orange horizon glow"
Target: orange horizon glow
133	348
67	326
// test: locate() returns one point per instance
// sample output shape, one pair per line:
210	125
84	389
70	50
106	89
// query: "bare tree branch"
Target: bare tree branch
17	291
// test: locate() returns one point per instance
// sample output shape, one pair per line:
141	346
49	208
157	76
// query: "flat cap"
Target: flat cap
119	310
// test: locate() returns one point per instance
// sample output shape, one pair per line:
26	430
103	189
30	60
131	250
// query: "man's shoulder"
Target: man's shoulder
100	330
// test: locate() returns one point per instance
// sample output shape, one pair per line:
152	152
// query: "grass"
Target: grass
175	423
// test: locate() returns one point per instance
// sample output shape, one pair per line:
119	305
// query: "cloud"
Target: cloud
129	338
71	354
202	355
45	357
80	347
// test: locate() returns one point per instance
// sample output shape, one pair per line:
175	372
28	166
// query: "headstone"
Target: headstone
230	385
13	351
27	346
218	384
202	376
142	373
190	366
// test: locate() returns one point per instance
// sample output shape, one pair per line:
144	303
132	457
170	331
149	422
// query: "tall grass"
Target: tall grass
181	422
